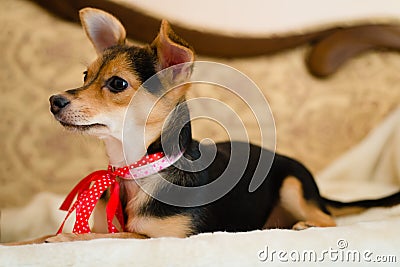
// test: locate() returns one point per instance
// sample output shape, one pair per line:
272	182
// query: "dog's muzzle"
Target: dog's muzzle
57	103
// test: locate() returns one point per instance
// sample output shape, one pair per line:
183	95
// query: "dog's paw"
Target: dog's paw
303	225
64	237
40	240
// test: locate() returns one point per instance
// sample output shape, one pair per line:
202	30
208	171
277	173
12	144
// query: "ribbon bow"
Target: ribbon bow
88	192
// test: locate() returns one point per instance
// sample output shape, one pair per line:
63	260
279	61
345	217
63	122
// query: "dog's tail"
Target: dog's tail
338	208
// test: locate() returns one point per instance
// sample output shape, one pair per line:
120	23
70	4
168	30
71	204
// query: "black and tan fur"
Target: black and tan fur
287	198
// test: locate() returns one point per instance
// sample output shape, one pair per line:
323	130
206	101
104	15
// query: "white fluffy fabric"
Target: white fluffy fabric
370	169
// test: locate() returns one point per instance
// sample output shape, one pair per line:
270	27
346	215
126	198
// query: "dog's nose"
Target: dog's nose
57	103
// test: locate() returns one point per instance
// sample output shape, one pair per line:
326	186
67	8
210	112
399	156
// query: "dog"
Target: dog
288	196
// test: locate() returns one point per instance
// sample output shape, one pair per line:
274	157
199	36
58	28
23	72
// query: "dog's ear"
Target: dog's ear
102	28
171	49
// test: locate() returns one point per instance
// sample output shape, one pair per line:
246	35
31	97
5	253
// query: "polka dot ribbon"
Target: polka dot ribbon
89	190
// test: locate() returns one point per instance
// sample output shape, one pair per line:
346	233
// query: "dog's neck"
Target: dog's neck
177	129
116	155
178	125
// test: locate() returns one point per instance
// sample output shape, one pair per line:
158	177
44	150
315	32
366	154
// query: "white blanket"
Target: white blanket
371	169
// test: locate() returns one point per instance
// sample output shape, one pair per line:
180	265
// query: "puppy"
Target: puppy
288	196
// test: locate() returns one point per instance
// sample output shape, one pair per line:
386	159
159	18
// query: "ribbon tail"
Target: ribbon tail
59	231
120	216
82	185
112	207
66	217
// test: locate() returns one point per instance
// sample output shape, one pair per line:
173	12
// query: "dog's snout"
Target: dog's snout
57	103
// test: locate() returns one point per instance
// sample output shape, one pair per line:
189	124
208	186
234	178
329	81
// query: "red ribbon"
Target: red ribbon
88	192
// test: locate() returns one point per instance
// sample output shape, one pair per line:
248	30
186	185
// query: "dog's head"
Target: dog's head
99	106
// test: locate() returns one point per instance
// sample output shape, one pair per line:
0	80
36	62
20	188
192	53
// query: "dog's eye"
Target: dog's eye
85	75
117	84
